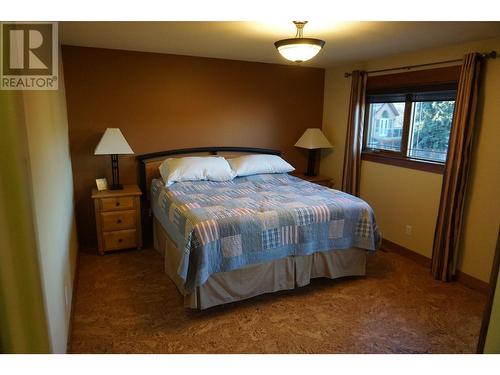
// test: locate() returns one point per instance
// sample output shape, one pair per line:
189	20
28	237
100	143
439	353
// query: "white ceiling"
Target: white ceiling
253	41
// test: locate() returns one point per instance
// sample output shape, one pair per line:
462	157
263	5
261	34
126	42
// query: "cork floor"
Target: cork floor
124	303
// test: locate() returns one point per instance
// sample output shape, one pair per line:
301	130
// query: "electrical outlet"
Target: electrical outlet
408	229
66	296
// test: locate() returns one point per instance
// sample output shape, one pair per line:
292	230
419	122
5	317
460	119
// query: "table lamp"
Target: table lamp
312	139
113	143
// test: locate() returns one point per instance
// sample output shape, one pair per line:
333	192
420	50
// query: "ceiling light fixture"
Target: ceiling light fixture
299	49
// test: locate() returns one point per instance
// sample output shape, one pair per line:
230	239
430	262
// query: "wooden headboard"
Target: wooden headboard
149	163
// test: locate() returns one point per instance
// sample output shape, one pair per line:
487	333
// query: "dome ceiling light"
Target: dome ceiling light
299	49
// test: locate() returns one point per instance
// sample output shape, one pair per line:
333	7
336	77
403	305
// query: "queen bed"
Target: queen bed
228	241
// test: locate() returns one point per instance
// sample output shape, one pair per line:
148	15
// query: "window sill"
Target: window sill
398	161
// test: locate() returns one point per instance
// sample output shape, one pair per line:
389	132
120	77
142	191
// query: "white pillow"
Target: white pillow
195	168
256	164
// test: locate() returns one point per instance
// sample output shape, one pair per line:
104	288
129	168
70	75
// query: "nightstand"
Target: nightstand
118	218
320	180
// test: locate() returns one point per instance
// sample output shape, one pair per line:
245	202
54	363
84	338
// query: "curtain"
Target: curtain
449	220
354	136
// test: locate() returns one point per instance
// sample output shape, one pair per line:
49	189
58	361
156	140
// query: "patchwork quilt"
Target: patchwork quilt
222	226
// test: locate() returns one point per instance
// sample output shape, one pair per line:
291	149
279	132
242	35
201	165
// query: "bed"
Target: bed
228	241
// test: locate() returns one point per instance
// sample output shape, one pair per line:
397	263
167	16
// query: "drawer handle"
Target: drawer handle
117	204
120	240
119	221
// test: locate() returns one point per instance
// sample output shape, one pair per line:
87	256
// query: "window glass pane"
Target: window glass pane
430	130
385	126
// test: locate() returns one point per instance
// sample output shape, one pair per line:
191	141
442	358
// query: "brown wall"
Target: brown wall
162	102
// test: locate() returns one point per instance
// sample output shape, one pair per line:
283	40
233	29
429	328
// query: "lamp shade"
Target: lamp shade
113	143
299	49
313	138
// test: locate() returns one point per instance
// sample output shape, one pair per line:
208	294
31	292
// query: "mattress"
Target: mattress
224	226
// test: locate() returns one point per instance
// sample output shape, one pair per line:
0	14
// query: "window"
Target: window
409	126
388	120
430	130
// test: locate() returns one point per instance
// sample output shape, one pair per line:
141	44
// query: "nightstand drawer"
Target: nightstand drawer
122	239
118	203
117	220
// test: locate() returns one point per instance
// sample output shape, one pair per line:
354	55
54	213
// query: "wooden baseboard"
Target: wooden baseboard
392	247
471	282
461	277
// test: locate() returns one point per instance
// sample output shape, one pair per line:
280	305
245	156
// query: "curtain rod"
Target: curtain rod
487	55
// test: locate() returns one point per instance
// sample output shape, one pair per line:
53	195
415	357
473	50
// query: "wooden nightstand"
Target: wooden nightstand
118	218
320	180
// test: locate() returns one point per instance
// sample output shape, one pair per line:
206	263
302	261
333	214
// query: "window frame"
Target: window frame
400	158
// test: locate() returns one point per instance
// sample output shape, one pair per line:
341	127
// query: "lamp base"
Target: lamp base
116	174
116	187
311	163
